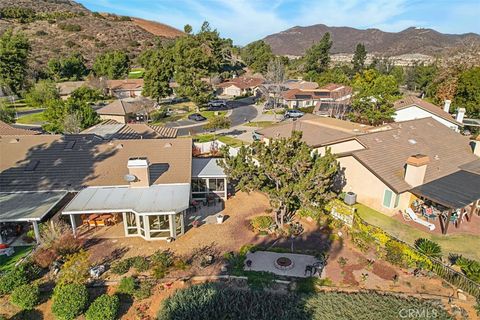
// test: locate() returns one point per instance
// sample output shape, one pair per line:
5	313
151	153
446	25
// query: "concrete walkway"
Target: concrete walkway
265	261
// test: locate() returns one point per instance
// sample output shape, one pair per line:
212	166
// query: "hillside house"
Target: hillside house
410	108
122	89
319	98
395	167
239	87
124	111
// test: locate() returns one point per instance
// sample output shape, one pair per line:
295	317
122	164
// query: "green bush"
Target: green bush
12	279
141	264
70	27
307	109
25	296
470	268
69	301
428	248
127	285
144	290
121	267
261	223
104	307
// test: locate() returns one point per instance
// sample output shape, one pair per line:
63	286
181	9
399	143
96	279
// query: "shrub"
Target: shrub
69	301
104	307
67	244
127	285
261	223
12	279
164	258
76	269
247	248
70	27
470	268
122	266
144	290
428	248
44	257
141	264
25	296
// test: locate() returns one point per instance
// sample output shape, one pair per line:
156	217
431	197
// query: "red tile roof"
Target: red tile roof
242	83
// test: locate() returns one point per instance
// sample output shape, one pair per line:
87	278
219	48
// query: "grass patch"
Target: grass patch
136	73
8	263
233	142
455	243
210	114
34	118
259	124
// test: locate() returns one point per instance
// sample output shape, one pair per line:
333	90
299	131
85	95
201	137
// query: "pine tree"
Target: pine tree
359	57
317	57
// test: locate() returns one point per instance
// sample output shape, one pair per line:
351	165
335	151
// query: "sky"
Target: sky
245	21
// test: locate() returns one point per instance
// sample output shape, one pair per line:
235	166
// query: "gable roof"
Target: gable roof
409	101
125	84
56	163
297	94
301	84
242	82
8	130
316	131
386	151
67	87
111	129
121	108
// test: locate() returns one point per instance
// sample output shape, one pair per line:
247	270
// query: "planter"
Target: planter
220	218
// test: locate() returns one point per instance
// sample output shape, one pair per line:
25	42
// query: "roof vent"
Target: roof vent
167	145
69	145
412	141
436	157
32	165
378	140
14	140
119	146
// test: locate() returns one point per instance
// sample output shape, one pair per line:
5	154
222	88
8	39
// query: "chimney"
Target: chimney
460	114
446	106
138	172
415	169
476	146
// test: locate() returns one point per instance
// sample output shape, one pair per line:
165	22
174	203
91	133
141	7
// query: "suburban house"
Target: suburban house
300	84
395	167
124	111
239	86
143	185
111	129
66	88
324	96
410	107
122	89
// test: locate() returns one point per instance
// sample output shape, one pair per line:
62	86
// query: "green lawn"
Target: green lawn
465	244
233	142
260	124
211	114
136	73
6	263
35	118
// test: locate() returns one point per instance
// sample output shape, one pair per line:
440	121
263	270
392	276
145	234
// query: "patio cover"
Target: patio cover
28	206
454	191
207	168
165	198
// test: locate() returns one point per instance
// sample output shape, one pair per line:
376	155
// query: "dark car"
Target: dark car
196	117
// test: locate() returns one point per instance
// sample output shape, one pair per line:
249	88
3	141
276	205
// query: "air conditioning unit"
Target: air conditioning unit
350	198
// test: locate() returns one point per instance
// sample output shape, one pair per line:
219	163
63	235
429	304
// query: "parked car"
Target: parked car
196	117
293	114
217	104
256	136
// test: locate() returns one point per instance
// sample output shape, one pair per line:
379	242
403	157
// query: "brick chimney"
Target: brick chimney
415	169
446	106
138	168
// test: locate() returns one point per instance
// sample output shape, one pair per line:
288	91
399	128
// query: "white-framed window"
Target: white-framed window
387	198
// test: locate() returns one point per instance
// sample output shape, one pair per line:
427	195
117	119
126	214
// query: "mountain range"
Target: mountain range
295	41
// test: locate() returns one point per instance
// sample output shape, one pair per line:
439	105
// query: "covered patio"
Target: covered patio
152	213
26	207
452	199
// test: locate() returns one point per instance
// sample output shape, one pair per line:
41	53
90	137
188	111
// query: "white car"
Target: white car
217	104
293	114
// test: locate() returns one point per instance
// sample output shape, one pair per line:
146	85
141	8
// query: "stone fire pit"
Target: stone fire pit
284	263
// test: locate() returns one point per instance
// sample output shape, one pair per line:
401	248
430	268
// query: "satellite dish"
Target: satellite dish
129	177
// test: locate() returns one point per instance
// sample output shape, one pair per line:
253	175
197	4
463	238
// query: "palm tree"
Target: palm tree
428	248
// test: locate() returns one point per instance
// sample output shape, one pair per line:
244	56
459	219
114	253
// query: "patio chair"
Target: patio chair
92	223
405	216
100	223
416	219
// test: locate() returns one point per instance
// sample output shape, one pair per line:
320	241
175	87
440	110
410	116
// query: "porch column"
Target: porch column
171	219
445	228
1	239
36	231
225	193
182	221
460	216
74	225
